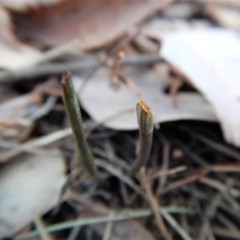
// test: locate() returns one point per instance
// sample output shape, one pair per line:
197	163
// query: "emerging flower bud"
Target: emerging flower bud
144	117
145	122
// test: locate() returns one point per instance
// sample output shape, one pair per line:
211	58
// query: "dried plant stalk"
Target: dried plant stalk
73	109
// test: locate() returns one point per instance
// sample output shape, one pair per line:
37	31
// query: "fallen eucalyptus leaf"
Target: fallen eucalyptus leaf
113	107
210	60
29	185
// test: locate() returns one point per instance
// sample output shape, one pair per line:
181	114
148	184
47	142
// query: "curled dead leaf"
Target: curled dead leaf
94	23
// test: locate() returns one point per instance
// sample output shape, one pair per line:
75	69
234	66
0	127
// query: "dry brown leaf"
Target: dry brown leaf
6	33
29	185
13	54
94	23
102	102
210	59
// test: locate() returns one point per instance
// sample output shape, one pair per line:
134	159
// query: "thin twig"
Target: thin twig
189	179
171	171
154	204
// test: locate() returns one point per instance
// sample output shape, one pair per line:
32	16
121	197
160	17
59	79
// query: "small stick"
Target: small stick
154	204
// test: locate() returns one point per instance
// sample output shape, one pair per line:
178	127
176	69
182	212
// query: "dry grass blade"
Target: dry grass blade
208	215
225	233
229	167
227	222
108	229
189	179
119	174
199	175
217	146
171	171
123	215
32	146
42	229
17	148
175	225
219	186
165	165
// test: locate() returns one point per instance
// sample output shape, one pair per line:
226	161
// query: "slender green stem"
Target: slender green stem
73	109
145	122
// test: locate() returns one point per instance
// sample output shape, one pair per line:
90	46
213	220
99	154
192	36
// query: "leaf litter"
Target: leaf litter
96	18
192	170
210	63
24	180
107	101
